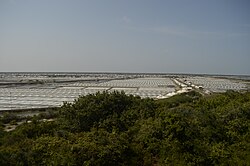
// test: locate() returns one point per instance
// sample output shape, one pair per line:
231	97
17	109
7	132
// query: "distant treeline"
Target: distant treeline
116	129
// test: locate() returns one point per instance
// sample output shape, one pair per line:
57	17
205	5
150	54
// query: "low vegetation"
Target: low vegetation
116	129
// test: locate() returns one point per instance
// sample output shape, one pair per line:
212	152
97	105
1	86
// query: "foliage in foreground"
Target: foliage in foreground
116	129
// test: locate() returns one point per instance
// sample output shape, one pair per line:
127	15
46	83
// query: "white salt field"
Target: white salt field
216	84
18	94
23	97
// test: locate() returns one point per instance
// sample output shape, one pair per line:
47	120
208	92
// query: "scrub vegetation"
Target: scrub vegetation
116	129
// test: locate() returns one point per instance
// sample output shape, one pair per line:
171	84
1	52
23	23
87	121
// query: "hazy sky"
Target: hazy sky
187	36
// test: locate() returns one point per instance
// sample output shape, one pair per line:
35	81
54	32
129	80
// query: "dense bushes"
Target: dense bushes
116	129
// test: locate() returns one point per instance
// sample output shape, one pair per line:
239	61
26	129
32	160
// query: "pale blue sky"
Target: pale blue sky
169	36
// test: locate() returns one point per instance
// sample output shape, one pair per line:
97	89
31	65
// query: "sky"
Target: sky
165	36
